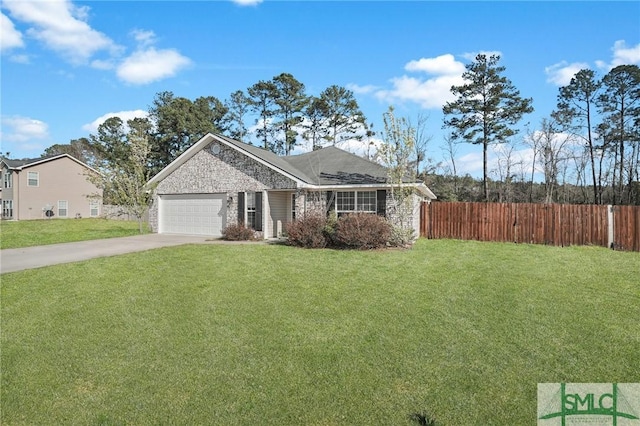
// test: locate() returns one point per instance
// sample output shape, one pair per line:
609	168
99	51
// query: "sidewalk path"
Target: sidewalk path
12	260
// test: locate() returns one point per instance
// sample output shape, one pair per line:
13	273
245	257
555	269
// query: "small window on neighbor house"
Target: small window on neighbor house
33	178
7	208
8	179
63	207
94	209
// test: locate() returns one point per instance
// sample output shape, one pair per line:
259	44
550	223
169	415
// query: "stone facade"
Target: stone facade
228	171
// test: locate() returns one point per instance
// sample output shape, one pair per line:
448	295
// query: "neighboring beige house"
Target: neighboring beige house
49	187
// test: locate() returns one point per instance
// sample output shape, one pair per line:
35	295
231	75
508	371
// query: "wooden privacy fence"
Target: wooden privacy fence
554	224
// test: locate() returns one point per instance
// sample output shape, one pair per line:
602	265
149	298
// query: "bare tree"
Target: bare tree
507	162
451	149
549	146
421	140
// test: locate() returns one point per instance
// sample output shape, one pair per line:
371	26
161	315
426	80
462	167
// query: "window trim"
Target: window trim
8	179
7	209
250	209
36	179
66	208
94	205
357	205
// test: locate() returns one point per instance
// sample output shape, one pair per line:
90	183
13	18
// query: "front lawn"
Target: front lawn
459	331
27	233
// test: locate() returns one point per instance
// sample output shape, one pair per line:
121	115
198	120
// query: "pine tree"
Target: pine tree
486	109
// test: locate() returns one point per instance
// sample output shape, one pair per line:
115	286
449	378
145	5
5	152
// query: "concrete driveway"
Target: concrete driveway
12	260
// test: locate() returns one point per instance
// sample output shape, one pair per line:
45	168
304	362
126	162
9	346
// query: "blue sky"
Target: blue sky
67	65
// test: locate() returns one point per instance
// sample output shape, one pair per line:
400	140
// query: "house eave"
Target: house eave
420	187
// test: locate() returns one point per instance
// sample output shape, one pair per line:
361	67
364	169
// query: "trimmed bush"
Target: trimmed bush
308	232
362	231
238	232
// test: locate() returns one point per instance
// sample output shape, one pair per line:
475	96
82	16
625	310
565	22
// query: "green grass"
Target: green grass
272	335
27	233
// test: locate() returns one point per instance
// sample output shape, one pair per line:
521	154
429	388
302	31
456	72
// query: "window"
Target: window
356	201
251	210
32	178
293	206
7	208
8	179
367	201
94	209
63	207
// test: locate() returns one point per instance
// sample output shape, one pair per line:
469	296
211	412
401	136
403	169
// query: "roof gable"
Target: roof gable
264	157
18	165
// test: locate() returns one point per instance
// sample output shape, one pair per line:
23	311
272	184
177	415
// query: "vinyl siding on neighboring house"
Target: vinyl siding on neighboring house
58	180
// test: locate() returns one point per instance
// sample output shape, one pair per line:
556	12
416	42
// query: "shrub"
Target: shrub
308	232
402	237
362	231
238	232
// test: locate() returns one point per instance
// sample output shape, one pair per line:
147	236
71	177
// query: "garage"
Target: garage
194	214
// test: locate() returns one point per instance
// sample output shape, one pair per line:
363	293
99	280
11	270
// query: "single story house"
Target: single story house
48	187
219	181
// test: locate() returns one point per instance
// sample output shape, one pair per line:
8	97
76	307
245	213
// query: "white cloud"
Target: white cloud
443	64
62	27
361	90
124	116
147	66
23	129
144	38
247	2
561	73
431	92
622	55
10	38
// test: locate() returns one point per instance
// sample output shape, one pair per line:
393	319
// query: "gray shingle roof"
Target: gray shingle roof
14	164
333	166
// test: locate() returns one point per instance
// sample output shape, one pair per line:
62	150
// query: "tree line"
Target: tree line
591	140
586	151
285	115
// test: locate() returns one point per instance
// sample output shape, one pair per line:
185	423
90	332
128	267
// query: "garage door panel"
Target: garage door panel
199	214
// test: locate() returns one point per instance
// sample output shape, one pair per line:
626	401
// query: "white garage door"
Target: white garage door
195	214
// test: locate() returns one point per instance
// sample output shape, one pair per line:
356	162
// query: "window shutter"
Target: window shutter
381	207
331	202
258	211
240	208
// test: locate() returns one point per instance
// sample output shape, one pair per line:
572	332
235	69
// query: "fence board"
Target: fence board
626	228
552	224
